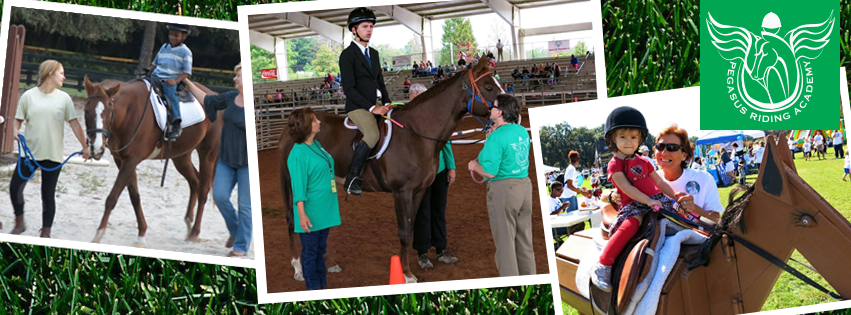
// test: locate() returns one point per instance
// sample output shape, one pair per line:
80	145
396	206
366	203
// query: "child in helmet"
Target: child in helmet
172	64
639	186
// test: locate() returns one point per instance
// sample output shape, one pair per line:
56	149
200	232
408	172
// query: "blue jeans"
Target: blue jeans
574	205
313	247
171	94
238	222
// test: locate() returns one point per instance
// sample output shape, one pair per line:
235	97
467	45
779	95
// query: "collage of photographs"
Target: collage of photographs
425	157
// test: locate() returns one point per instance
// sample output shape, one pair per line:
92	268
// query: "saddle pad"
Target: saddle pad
191	112
645	297
383	142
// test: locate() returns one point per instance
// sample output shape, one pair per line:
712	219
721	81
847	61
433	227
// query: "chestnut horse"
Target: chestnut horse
119	117
779	213
410	162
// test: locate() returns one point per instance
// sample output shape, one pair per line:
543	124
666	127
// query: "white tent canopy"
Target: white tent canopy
723	136
547	168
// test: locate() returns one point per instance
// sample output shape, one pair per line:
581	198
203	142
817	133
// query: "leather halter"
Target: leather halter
93	131
476	95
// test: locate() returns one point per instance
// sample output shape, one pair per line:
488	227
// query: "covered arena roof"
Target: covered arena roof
304	24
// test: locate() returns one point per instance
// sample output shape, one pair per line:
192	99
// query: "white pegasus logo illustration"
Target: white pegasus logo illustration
772	61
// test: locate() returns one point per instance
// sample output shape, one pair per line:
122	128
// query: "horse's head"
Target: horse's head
99	111
485	86
754	58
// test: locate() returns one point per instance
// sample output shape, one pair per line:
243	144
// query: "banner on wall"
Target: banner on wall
559	46
269	73
401	61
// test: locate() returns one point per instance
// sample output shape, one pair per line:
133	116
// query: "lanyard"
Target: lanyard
330	169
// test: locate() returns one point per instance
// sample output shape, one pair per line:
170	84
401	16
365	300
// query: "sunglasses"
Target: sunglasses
671	147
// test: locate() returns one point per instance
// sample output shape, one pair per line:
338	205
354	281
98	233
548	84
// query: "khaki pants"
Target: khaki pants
366	124
510	212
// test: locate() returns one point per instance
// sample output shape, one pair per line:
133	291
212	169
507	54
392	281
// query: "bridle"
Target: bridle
90	132
476	95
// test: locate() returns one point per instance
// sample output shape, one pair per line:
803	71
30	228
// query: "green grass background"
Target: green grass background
825	177
46	280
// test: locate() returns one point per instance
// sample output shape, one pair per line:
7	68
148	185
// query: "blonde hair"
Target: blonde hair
46	69
238	67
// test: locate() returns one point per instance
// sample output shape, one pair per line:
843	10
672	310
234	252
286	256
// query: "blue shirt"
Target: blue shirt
172	61
233	150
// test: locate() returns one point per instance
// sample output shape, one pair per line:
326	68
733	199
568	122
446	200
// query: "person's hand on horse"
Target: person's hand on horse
686	201
87	153
304	221
380	110
450	177
655	204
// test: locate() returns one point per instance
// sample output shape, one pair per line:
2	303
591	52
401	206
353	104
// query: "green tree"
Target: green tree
414	46
536	53
387	53
458	33
326	61
260	59
557	141
304	51
580	49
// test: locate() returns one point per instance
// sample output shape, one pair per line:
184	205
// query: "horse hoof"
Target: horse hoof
335	268
411	279
192	239
98	236
298	276
140	242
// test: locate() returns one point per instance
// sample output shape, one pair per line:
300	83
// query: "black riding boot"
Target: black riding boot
356	168
175	131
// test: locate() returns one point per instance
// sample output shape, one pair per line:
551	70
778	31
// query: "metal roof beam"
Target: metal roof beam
263	41
409	19
503	8
320	26
576	27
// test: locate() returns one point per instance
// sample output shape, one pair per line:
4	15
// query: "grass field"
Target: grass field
47	280
826	178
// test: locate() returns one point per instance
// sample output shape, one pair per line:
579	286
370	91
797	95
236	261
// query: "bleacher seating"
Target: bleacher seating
271	111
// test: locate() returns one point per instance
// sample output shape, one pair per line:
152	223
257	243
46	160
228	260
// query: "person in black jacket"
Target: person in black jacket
363	83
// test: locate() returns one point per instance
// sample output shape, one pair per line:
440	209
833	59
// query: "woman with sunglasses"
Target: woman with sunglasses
696	190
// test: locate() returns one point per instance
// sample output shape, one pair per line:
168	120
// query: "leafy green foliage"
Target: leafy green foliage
458	33
651	45
557	141
260	59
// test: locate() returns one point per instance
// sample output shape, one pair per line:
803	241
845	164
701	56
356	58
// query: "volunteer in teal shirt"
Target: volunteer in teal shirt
430	222
504	163
314	190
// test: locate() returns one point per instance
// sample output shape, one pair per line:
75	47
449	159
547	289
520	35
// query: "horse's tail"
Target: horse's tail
284	148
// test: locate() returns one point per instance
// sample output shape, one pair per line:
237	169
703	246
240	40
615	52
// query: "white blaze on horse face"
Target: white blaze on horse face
497	84
98	145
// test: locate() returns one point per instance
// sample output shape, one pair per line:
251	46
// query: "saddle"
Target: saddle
182	93
632	265
385	132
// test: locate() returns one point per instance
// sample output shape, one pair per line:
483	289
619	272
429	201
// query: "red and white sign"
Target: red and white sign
269	73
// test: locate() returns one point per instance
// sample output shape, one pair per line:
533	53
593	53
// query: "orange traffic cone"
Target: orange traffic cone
396	274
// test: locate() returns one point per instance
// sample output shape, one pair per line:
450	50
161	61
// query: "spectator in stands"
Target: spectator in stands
407	85
329	78
557	70
515	73
574	62
440	71
341	95
335	85
510	88
386	67
541	68
490	55
476	57
414	72
338	78
525	71
462	58
499	49
452	69
548	68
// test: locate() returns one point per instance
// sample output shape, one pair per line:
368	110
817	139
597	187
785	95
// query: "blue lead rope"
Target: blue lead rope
30	161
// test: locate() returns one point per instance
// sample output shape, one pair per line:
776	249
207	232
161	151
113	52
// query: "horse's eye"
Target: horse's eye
489	89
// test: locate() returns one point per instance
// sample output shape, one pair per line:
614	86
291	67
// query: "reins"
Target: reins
30	161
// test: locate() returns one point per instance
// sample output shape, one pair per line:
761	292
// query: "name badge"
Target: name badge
333	186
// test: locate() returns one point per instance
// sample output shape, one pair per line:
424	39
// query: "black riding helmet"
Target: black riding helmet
625	117
360	15
179	27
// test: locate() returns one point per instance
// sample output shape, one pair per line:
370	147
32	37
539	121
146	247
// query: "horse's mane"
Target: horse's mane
736	205
432	92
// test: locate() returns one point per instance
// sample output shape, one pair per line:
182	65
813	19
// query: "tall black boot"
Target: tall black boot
359	157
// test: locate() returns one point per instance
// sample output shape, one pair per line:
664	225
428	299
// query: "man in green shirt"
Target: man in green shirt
504	163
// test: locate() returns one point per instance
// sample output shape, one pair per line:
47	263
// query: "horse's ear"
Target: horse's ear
90	88
111	92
